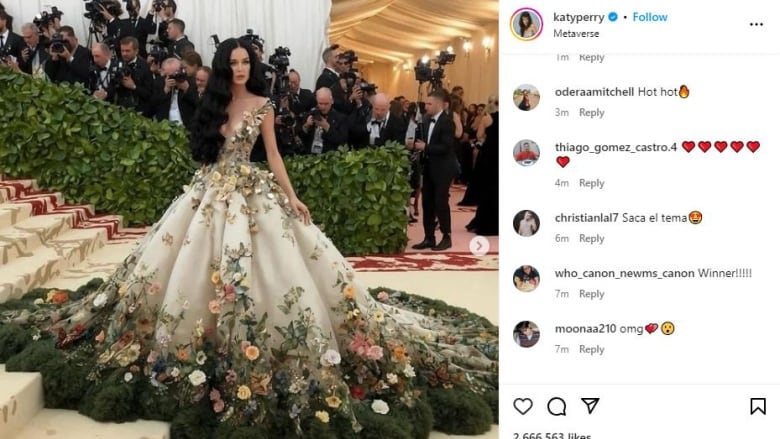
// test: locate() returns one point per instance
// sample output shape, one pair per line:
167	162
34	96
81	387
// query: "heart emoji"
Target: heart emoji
737	146
705	146
563	160
651	327
753	145
688	146
721	146
523	405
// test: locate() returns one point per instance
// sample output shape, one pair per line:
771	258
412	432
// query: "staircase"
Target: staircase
43	238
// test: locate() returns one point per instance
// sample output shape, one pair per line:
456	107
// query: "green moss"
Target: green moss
35	355
420	417
65	382
113	400
459	412
13	339
196	422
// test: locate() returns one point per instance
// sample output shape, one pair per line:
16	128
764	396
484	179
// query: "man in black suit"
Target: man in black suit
179	43
330	74
11	44
437	148
116	28
101	85
141	27
327	129
135	89
70	65
178	99
34	55
381	127
302	99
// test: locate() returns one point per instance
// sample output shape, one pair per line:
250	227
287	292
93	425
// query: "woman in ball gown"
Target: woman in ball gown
235	301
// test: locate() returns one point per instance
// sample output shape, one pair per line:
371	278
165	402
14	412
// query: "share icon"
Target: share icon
591	404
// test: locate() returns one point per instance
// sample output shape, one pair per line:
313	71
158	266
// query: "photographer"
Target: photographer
11	44
160	13
302	99
34	55
178	43
380	128
116	29
348	93
135	88
192	62
330	74
178	99
141	27
48	23
101	81
324	129
67	64
264	72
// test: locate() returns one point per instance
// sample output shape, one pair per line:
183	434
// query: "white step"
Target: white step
23	238
66	424
101	263
22	416
21	398
48	261
13	213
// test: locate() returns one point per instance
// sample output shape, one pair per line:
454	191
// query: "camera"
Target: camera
349	57
58	44
179	76
46	19
288	119
94	8
5	53
159	5
445	58
253	39
315	114
351	77
280	58
159	53
368	88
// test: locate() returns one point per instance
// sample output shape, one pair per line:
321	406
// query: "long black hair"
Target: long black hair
523	27
212	112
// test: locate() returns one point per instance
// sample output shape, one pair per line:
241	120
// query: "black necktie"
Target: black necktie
2	41
376	122
433	120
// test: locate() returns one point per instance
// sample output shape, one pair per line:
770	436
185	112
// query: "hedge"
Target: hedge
119	162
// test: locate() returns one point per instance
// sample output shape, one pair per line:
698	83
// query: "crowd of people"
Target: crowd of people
146	63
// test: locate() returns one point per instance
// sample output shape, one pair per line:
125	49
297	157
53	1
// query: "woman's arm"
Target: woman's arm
458	125
485	122
275	162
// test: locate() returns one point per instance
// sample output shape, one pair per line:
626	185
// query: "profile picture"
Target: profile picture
526	334
526	97
526	278
526	223
526	152
526	24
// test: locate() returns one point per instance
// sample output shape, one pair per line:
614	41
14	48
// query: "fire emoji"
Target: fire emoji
684	92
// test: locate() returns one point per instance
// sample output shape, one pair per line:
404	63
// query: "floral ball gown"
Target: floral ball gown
233	306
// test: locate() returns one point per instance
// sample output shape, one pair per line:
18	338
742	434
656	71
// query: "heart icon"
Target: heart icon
688	146
737	146
753	145
705	146
721	146
651	327
523	405
563	160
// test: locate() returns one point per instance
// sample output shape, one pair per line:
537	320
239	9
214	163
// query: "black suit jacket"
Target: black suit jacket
117	29
16	44
73	72
337	135
178	48
303	102
141	97
43	57
327	79
188	103
393	130
438	158
141	30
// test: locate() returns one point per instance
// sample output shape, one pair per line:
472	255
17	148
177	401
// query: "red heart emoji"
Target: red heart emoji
651	327
736	146
705	146
753	145
721	146
563	160
688	146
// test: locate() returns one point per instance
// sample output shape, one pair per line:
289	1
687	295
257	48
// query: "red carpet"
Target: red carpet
460	237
